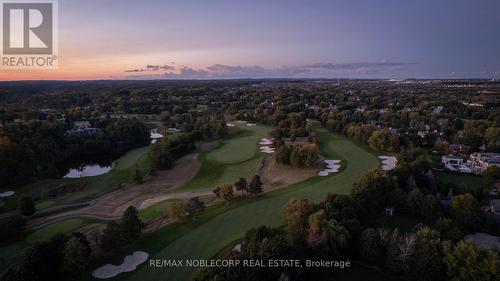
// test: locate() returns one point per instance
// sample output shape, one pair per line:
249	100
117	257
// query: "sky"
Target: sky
187	39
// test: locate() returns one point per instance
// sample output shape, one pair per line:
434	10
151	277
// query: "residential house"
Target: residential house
479	161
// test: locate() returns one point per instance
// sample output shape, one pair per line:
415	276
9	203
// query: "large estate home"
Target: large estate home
81	128
479	162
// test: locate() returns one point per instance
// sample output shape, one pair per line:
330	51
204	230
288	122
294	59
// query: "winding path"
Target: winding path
207	239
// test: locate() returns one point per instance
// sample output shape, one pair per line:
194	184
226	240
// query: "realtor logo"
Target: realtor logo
29	34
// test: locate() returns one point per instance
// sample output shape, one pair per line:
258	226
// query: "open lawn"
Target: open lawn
239	149
203	240
219	166
157	210
460	180
64	226
11	254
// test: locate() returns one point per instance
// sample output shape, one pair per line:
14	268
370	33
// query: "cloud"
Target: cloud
317	70
152	68
393	65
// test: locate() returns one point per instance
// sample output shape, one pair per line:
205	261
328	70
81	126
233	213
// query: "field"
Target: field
239	149
221	166
460	180
206	239
157	210
63	226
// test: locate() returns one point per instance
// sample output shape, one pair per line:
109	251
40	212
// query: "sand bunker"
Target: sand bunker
267	149
251	124
237	248
388	162
332	166
154	134
230	125
7	194
265	141
265	145
130	263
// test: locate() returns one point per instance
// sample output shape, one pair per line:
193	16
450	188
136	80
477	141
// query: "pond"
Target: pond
87	167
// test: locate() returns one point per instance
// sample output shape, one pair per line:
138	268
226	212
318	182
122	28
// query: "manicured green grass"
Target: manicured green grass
157	210
460	180
8	214
90	187
237	150
213	172
204	240
45	204
64	226
241	170
11	254
39	206
129	160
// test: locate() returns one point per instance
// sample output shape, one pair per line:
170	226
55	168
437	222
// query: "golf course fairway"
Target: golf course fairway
234	158
207	239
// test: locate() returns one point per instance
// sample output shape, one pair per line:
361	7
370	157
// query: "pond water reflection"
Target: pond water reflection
87	167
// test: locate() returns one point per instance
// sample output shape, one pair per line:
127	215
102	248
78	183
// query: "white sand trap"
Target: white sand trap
332	166
130	263
154	134
251	124
265	141
230	125
265	148
7	194
388	162
237	248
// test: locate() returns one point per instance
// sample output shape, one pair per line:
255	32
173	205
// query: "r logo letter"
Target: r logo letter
27	28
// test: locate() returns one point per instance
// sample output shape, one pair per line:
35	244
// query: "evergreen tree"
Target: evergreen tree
195	206
132	224
255	186
241	185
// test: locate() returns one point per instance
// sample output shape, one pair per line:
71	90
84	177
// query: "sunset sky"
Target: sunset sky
118	39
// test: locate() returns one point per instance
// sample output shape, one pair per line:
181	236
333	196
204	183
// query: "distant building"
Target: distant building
459	149
452	160
81	128
455	164
479	162
81	124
